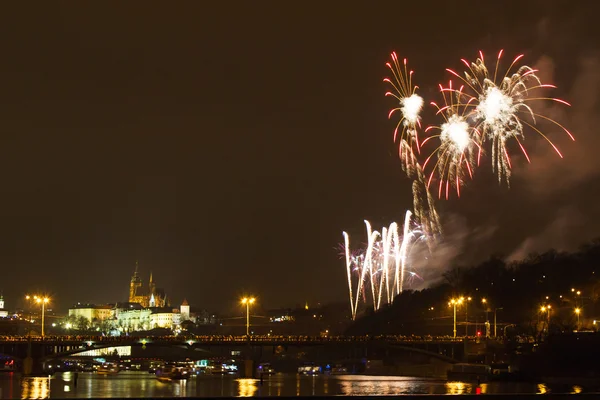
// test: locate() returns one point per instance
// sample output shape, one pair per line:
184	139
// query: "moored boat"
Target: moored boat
265	369
171	373
107	369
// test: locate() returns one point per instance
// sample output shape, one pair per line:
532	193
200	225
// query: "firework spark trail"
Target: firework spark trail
424	206
502	107
348	268
382	265
406	238
409	105
388	236
367	265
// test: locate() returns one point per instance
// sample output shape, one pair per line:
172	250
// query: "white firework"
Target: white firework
380	268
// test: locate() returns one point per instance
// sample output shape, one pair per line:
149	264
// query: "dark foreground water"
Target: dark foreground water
142	384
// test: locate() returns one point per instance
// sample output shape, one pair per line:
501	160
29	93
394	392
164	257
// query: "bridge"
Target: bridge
32	352
225	340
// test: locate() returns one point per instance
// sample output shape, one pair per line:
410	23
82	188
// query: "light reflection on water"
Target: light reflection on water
458	387
247	387
143	385
35	388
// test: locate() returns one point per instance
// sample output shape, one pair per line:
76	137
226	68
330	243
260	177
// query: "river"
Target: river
144	385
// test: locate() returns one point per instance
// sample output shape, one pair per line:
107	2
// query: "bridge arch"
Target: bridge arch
439	356
100	346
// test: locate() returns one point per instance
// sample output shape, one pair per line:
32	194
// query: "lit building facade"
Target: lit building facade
132	319
92	312
162	318
3	312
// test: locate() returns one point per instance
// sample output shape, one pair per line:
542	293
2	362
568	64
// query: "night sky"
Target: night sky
226	145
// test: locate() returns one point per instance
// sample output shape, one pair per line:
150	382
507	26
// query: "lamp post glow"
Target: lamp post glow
247	301
486	324
495	326
484	302
547	308
42	301
455	303
29	300
578	312
467	300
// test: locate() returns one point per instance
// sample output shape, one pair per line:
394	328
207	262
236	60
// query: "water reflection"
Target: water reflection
143	385
179	388
385	385
458	387
35	388
541	388
247	387
484	388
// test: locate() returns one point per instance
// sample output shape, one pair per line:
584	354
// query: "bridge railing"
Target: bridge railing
191	339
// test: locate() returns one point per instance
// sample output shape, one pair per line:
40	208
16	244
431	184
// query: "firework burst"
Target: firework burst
459	142
501	106
406	134
409	105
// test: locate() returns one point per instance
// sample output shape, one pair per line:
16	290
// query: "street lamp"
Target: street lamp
484	302
455	303
43	301
578	312
547	308
247	301
495	326
28	298
467	300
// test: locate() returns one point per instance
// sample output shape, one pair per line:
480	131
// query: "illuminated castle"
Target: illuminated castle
152	297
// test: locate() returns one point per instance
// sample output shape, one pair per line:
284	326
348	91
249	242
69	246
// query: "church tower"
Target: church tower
3	312
184	310
135	285
151	286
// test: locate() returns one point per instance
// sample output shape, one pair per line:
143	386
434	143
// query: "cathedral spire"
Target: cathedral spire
150	277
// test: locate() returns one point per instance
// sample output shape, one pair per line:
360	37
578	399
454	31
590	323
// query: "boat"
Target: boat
470	372
85	367
171	373
107	369
154	366
220	368
265	369
337	369
310	370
